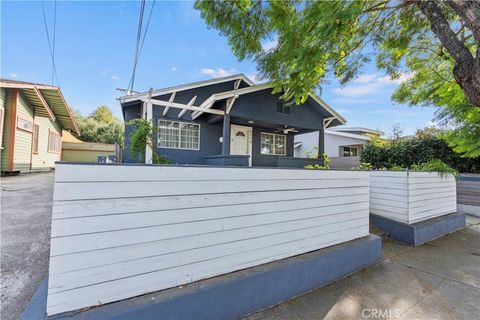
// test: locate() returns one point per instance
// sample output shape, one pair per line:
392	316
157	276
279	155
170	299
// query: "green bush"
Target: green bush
435	165
325	166
141	137
411	152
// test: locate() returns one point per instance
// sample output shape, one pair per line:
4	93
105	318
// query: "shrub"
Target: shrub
407	153
141	137
436	165
325	166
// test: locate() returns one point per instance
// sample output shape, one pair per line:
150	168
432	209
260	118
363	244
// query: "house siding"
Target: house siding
262	105
23	139
209	139
259	106
131	113
209	133
5	100
86	151
45	160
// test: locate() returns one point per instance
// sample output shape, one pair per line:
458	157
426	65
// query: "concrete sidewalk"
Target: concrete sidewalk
439	280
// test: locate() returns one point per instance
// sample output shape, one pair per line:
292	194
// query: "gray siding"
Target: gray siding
262	105
209	139
258	106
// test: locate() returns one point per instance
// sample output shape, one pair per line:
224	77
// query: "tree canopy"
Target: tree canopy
434	42
100	126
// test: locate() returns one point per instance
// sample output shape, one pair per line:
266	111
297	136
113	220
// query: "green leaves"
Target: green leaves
412	152
100	126
141	137
319	38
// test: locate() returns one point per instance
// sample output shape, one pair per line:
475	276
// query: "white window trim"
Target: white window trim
180	123
26	119
50	132
274	148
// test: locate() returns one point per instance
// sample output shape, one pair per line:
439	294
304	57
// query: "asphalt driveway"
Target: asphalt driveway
26	203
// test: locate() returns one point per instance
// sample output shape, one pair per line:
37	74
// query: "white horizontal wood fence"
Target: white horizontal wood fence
411	197
123	231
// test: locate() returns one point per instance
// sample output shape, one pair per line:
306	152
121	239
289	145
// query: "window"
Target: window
24	123
283	108
178	135
273	144
36	129
54	142
280	107
350	151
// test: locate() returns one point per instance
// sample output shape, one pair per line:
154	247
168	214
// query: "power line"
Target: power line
140	40
146	28
54	68
137	46
54	33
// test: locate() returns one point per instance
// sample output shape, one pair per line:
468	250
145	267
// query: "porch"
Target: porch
250	142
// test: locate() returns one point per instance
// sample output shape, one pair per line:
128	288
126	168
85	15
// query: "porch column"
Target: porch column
226	135
148	116
321	143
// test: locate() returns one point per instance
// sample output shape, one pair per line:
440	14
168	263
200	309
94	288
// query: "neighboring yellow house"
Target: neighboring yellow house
32	117
76	150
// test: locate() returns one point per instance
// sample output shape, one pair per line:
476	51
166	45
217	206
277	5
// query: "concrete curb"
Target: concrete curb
242	292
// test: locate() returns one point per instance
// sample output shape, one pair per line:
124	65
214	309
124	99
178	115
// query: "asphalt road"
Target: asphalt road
26	203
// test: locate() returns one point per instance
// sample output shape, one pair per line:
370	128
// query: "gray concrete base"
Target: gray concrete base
419	233
468	209
243	292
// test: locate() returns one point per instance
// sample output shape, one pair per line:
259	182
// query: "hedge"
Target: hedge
406	153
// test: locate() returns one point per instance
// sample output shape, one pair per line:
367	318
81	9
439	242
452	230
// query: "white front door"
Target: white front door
241	141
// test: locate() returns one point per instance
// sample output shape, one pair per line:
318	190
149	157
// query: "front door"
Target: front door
241	141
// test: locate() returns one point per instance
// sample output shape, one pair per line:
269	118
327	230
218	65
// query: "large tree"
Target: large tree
100	126
317	38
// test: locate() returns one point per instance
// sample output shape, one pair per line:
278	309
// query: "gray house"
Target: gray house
227	121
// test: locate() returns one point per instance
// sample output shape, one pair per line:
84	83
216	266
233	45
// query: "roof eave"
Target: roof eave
139	96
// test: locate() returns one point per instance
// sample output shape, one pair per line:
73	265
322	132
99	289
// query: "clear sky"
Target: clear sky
95	43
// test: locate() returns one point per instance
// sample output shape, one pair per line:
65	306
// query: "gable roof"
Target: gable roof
259	87
208	103
48	101
187	86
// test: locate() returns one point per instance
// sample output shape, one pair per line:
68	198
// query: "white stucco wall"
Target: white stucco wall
332	143
309	142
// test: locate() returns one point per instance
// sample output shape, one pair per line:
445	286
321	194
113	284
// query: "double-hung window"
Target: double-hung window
178	135
273	144
54	142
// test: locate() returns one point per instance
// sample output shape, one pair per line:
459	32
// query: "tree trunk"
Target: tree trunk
467	68
469	11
